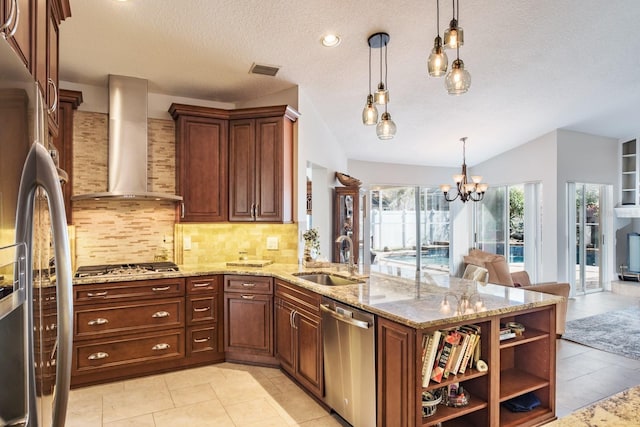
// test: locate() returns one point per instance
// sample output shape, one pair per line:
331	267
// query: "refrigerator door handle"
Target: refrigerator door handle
39	170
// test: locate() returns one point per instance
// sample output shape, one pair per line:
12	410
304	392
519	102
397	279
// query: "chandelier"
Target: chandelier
457	80
465	303
385	127
466	190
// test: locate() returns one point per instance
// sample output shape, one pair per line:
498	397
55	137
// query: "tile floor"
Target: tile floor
237	395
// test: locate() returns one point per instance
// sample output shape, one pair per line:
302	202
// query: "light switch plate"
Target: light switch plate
186	243
272	243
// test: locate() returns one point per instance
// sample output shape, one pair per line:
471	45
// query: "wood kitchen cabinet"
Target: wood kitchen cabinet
298	330
201	154
261	164
70	100
248	319
204	319
32	28
126	329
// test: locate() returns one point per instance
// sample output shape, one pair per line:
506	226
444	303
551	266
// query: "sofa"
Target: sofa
499	274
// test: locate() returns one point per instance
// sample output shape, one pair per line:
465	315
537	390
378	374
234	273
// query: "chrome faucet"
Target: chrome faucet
351	266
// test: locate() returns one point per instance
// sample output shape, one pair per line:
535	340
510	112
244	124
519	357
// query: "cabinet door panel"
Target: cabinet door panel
309	351
52	92
284	336
21	41
269	169
203	168
242	170
248	323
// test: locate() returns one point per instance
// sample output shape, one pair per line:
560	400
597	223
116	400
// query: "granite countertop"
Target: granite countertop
415	302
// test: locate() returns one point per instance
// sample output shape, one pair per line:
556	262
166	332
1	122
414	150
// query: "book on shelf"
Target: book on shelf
462	348
473	349
430	356
449	341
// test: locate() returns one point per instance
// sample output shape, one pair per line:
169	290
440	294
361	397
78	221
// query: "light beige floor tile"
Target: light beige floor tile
202	414
141	421
240	387
150	382
192	377
327	421
285	385
252	412
140	401
101	389
84	409
299	407
192	394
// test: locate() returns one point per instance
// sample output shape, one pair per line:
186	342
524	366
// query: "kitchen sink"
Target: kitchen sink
327	279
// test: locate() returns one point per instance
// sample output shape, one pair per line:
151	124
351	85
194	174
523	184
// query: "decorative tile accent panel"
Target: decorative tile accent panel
90	152
112	231
223	242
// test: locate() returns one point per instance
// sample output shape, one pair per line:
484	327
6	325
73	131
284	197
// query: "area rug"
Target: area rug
615	332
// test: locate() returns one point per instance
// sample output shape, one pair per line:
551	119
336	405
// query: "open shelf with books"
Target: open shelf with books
527	368
517	367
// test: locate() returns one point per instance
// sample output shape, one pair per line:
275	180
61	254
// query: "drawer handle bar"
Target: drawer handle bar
249	285
200	340
97	356
161	346
98	321
97	294
201	285
248	296
160	314
164	288
199	310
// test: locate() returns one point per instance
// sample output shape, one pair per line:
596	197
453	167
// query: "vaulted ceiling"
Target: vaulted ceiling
535	65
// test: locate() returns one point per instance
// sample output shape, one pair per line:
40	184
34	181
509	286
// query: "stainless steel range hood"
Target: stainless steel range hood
127	168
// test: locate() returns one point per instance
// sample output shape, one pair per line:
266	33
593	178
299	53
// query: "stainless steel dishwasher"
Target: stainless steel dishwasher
348	336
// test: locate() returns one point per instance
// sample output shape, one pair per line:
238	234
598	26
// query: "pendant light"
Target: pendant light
458	80
437	63
370	112
380	40
385	128
454	35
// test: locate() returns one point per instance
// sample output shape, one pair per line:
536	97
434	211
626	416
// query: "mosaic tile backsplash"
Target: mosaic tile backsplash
109	232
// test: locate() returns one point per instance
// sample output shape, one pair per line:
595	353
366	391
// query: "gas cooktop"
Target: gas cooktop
125	269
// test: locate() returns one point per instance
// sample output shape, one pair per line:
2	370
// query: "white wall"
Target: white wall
317	144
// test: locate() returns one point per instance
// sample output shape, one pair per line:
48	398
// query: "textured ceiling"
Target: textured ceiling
535	65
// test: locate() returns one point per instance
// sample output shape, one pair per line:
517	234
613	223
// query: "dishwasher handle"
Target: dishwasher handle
359	323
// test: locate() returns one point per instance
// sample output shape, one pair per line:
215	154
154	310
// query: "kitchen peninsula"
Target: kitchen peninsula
406	311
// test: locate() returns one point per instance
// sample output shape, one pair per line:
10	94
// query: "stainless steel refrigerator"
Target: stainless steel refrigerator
35	266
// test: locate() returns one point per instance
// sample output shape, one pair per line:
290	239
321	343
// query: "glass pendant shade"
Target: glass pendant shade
454	35
438	61
370	112
386	129
458	80
382	95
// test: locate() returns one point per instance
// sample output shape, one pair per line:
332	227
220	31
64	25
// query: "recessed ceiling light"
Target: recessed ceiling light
330	40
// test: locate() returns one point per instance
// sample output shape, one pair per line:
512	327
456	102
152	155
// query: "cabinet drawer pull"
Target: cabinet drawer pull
98	321
163	288
54	104
248	296
161	346
160	314
97	294
249	285
200	340
199	310
97	356
201	284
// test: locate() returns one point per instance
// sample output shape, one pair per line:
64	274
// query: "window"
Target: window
409	228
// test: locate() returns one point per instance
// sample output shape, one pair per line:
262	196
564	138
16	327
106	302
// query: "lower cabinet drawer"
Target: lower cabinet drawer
202	339
95	321
202	309
138	348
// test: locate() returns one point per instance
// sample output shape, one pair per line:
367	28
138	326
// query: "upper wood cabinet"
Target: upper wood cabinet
261	164
235	165
32	28
201	163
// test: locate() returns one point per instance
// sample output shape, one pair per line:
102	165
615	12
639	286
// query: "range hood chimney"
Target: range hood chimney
127	167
